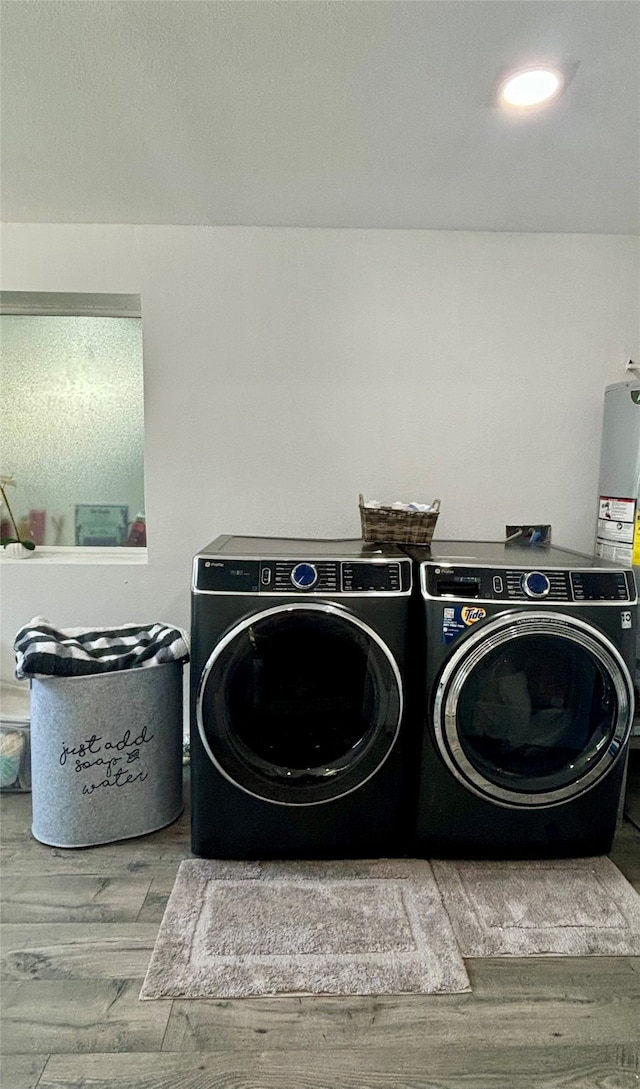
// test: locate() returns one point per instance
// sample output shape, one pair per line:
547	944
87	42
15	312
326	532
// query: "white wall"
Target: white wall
286	370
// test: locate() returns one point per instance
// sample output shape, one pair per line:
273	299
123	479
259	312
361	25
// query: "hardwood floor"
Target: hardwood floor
78	927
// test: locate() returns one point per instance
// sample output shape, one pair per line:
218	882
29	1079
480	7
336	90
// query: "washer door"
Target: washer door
533	709
299	704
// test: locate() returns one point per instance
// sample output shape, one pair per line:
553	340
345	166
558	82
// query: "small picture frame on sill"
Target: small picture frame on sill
101	525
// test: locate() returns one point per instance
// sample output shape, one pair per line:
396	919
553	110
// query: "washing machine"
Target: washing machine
522	683
299	745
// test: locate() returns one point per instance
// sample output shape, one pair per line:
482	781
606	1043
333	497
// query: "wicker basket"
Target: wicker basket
399	526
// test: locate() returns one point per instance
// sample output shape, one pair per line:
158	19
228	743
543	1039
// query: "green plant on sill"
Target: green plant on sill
5	482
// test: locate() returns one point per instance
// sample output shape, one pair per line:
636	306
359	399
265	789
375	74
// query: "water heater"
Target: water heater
618	527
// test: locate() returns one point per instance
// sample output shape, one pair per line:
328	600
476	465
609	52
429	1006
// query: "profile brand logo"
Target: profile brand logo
472	613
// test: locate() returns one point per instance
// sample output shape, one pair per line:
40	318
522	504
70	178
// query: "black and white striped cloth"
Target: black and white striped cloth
44	651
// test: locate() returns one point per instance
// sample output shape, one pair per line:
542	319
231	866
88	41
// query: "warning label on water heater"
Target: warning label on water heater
616	528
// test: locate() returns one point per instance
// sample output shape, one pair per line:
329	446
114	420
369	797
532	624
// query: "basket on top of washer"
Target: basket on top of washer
398	523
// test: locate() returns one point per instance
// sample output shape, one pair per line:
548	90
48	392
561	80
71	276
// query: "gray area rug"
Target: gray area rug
571	907
245	929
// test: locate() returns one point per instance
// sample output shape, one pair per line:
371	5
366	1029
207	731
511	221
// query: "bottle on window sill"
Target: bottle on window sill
37	524
137	533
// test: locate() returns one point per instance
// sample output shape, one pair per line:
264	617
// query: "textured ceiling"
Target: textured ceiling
305	113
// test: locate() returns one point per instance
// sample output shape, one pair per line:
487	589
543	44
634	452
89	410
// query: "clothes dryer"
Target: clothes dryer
523	688
299	742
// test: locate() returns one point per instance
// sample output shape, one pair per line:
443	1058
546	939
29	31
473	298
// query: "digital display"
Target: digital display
228	576
371	576
599	585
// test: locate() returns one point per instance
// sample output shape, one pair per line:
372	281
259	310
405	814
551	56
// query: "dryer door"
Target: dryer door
532	709
300	704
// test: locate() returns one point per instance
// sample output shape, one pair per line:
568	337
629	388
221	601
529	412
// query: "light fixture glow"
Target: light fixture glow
531	87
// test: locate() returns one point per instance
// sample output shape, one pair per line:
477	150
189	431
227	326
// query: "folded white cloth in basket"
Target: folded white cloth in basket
44	651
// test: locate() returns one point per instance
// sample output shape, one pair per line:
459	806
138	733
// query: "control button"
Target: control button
498	585
265	577
304	576
535	584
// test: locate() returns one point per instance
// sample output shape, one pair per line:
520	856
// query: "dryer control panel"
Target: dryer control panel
516	584
301	576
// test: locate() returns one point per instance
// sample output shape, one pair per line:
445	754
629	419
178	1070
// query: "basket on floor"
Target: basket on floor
398	526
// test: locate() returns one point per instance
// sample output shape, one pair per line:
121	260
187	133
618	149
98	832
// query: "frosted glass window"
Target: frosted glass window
71	418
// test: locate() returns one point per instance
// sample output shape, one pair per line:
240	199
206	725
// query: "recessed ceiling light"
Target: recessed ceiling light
530	87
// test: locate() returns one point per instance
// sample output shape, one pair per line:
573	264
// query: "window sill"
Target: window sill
108	556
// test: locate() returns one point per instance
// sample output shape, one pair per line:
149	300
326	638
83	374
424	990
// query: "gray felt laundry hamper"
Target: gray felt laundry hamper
106	755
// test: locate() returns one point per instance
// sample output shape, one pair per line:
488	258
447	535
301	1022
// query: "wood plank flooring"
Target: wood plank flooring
78	927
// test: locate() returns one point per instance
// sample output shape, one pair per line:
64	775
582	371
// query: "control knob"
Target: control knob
304	576
535	584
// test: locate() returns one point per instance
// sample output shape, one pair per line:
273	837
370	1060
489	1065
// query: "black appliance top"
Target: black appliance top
300	548
482	571
513	555
285	565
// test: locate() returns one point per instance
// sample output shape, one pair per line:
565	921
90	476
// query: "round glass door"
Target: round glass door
300	704
533	709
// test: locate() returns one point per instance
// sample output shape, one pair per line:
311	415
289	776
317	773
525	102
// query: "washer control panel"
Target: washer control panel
303	576
511	584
